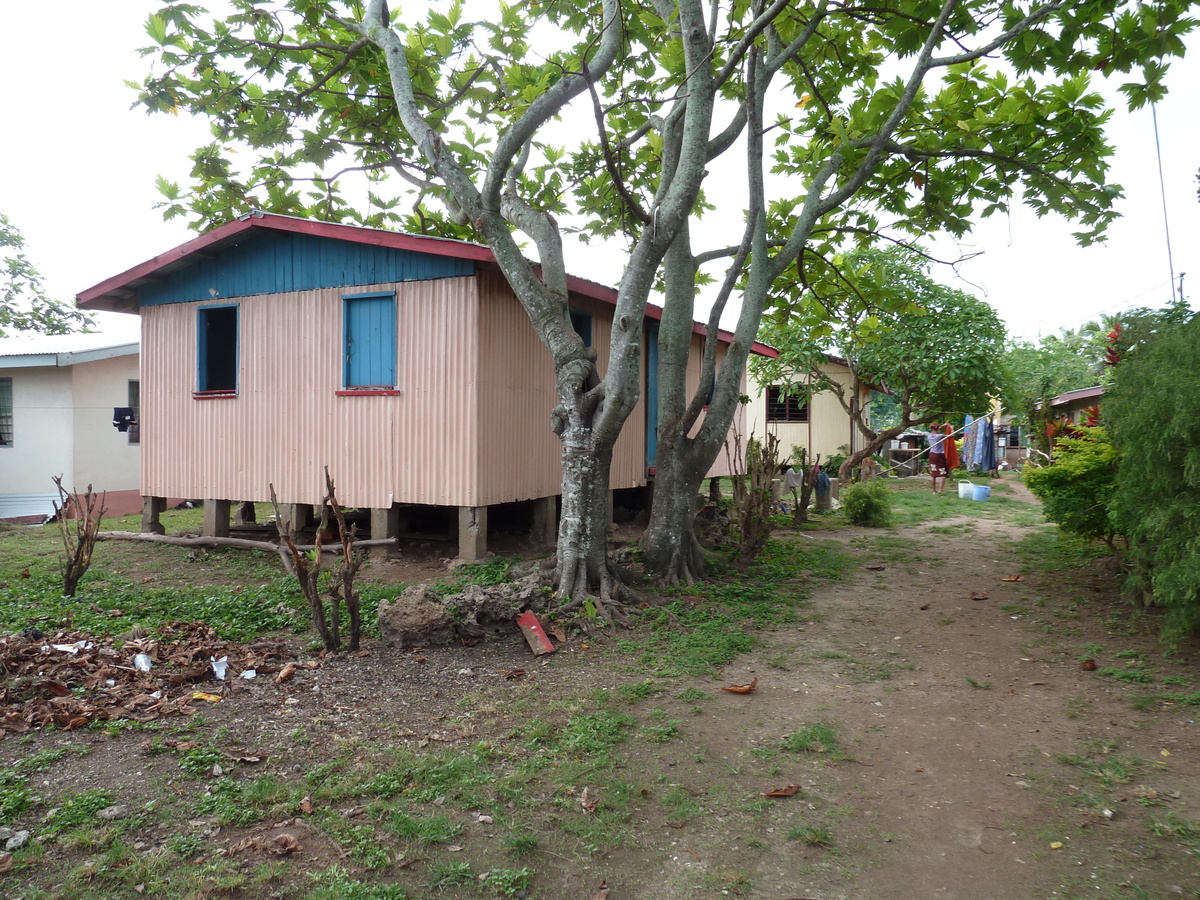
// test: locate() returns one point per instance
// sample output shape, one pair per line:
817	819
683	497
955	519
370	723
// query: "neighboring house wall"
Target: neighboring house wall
62	425
43	440
104	458
828	428
724	464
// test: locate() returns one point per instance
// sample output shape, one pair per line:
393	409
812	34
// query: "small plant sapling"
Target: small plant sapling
308	571
78	541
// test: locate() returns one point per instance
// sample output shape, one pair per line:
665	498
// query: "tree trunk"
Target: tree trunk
872	447
582	560
669	546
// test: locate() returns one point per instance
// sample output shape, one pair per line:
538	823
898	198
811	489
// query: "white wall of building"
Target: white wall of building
104	458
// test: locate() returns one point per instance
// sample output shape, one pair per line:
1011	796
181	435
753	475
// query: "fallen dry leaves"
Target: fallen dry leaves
788	790
588	802
602	893
93	681
742	688
1013	578
277	845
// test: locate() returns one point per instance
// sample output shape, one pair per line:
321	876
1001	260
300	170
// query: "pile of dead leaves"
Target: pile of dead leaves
71	680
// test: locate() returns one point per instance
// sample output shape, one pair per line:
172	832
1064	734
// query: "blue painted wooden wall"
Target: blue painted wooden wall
277	263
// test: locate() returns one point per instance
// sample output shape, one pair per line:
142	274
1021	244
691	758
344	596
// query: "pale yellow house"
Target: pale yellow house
822	425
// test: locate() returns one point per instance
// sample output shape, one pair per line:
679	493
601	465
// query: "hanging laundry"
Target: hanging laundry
987	446
949	448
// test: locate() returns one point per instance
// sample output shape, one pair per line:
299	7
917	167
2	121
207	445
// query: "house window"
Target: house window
6	412
135	403
582	323
369	340
217	349
782	408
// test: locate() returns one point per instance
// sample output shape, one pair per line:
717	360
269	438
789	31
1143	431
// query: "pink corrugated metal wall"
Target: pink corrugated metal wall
287	422
470	427
721	465
519	457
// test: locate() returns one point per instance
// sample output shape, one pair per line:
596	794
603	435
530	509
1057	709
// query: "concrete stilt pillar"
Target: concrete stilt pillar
611	505
216	518
385	523
152	509
472	532
294	516
245	514
545	522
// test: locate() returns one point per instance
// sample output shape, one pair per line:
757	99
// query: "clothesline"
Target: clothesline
925	450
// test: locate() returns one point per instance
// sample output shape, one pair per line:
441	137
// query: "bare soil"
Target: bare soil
972	758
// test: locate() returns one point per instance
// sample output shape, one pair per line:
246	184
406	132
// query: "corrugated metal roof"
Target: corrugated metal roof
62	349
1081	394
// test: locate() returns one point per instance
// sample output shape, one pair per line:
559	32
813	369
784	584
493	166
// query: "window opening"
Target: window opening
135	403
782	408
6	412
582	323
217	350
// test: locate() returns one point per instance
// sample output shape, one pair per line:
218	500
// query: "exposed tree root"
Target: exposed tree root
608	599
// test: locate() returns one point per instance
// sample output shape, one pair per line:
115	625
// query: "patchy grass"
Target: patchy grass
818	737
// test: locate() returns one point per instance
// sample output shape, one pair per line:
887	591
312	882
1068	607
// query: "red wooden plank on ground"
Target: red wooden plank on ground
535	634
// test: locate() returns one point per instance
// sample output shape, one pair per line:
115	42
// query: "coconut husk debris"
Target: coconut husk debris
71	679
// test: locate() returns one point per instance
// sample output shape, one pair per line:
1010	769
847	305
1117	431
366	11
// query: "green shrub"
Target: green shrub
1077	487
867	503
1153	415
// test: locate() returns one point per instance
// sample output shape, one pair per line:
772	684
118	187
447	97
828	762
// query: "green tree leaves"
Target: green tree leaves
24	305
1152	412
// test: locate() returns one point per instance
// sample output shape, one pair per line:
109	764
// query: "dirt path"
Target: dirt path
930	724
956	714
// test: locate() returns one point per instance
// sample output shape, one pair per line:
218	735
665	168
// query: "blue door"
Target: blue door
370	336
651	393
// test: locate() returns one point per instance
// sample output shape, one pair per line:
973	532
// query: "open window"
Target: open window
135	403
369	342
782	408
582	323
217	350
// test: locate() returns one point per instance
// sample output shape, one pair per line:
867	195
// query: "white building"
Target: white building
57	396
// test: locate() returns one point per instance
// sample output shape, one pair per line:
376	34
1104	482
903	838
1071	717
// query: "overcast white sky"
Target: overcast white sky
78	168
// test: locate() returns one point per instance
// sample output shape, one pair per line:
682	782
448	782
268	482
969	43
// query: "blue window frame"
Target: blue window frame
369	341
582	323
217	349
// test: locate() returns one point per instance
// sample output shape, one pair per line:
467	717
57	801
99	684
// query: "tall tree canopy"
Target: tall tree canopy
804	123
937	350
24	304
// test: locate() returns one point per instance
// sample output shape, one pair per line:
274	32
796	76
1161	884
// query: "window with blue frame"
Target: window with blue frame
369	341
217	349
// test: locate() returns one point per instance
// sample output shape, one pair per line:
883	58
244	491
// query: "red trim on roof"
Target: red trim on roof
114	289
